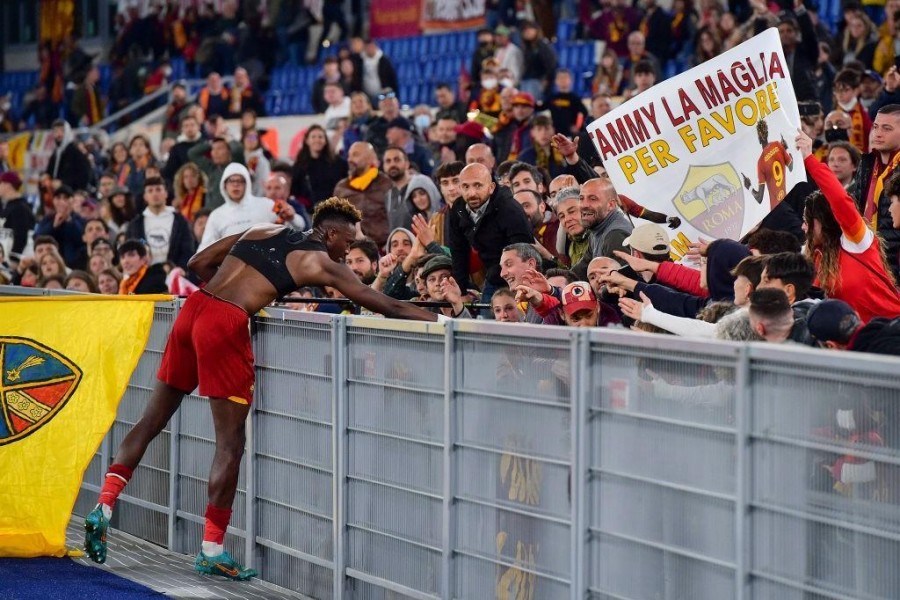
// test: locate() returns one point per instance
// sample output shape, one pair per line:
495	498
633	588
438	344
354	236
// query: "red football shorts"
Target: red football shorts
210	346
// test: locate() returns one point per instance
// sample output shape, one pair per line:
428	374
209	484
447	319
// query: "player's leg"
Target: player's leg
163	404
229	418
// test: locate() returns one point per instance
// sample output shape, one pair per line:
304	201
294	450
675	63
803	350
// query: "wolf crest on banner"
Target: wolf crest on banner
711	199
35	384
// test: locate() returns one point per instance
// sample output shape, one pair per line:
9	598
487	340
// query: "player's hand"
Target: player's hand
638	264
536	281
386	265
674	222
530	295
804	144
634	309
697	249
567	146
618	283
422	230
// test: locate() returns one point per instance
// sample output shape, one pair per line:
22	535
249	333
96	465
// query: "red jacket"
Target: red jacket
863	281
682	278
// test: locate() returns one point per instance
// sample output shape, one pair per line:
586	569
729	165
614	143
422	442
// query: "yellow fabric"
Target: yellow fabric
61	378
879	185
18	146
365	180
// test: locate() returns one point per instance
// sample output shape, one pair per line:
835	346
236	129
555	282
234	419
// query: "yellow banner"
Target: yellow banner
65	364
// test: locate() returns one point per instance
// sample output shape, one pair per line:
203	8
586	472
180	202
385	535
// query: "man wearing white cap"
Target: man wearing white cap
650	242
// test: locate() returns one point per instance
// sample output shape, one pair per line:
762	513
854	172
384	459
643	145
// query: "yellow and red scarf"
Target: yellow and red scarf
129	284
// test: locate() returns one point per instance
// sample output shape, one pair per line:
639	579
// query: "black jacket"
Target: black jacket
178	157
540	61
17	215
153	282
74	167
181	243
886	229
503	223
316	180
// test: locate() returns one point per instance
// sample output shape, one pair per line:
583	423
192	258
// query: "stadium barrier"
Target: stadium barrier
392	459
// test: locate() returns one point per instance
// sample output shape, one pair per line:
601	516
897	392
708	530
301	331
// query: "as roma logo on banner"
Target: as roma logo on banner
711	199
35	384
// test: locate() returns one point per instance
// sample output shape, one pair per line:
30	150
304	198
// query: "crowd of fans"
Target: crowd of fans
493	195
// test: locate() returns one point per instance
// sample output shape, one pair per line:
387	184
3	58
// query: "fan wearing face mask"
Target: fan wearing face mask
846	97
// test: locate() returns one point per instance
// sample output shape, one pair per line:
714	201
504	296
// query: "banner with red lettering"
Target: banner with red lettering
452	15
394	18
713	146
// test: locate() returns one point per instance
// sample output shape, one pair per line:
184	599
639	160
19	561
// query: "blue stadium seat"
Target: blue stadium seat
564	53
585	55
565	29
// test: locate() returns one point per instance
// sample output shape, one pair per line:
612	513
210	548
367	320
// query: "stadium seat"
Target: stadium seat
565	29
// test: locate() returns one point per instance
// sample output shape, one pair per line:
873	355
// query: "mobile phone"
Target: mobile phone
897	61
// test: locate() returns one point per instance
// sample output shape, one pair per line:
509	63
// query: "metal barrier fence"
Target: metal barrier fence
481	460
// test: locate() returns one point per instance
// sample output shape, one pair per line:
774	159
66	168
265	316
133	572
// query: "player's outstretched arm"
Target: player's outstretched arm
207	261
342	278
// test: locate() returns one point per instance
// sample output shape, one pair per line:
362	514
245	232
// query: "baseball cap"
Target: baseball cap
436	264
649	238
523	98
11	178
503	30
576	296
825	318
400	123
874	76
63	190
470	129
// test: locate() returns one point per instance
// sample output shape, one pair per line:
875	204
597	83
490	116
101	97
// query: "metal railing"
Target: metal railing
481	460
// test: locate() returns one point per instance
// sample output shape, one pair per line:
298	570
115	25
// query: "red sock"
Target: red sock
116	479
217	520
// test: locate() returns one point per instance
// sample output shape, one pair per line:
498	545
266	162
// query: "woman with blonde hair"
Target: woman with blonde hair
190	190
859	40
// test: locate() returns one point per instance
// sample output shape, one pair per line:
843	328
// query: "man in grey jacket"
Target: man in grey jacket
600	215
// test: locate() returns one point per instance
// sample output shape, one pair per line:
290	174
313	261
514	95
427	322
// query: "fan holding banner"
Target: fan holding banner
692	143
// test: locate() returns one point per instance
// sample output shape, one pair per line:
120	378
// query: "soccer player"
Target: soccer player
210	346
770	167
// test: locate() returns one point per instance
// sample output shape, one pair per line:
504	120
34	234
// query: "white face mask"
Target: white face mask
848	106
507	82
167	71
489	84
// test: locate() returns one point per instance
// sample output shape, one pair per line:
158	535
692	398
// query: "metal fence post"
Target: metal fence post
174	462
743	474
250	503
339	445
579	389
447	572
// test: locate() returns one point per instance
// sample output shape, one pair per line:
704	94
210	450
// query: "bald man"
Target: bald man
500	222
367	188
600	215
482	154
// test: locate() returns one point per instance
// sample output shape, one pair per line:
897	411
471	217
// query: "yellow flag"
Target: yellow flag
65	362
18	146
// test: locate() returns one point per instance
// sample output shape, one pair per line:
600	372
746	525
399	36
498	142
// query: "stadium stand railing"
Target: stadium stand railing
474	458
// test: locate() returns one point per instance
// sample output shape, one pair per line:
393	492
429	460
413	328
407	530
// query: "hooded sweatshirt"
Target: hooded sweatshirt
236	217
421	182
